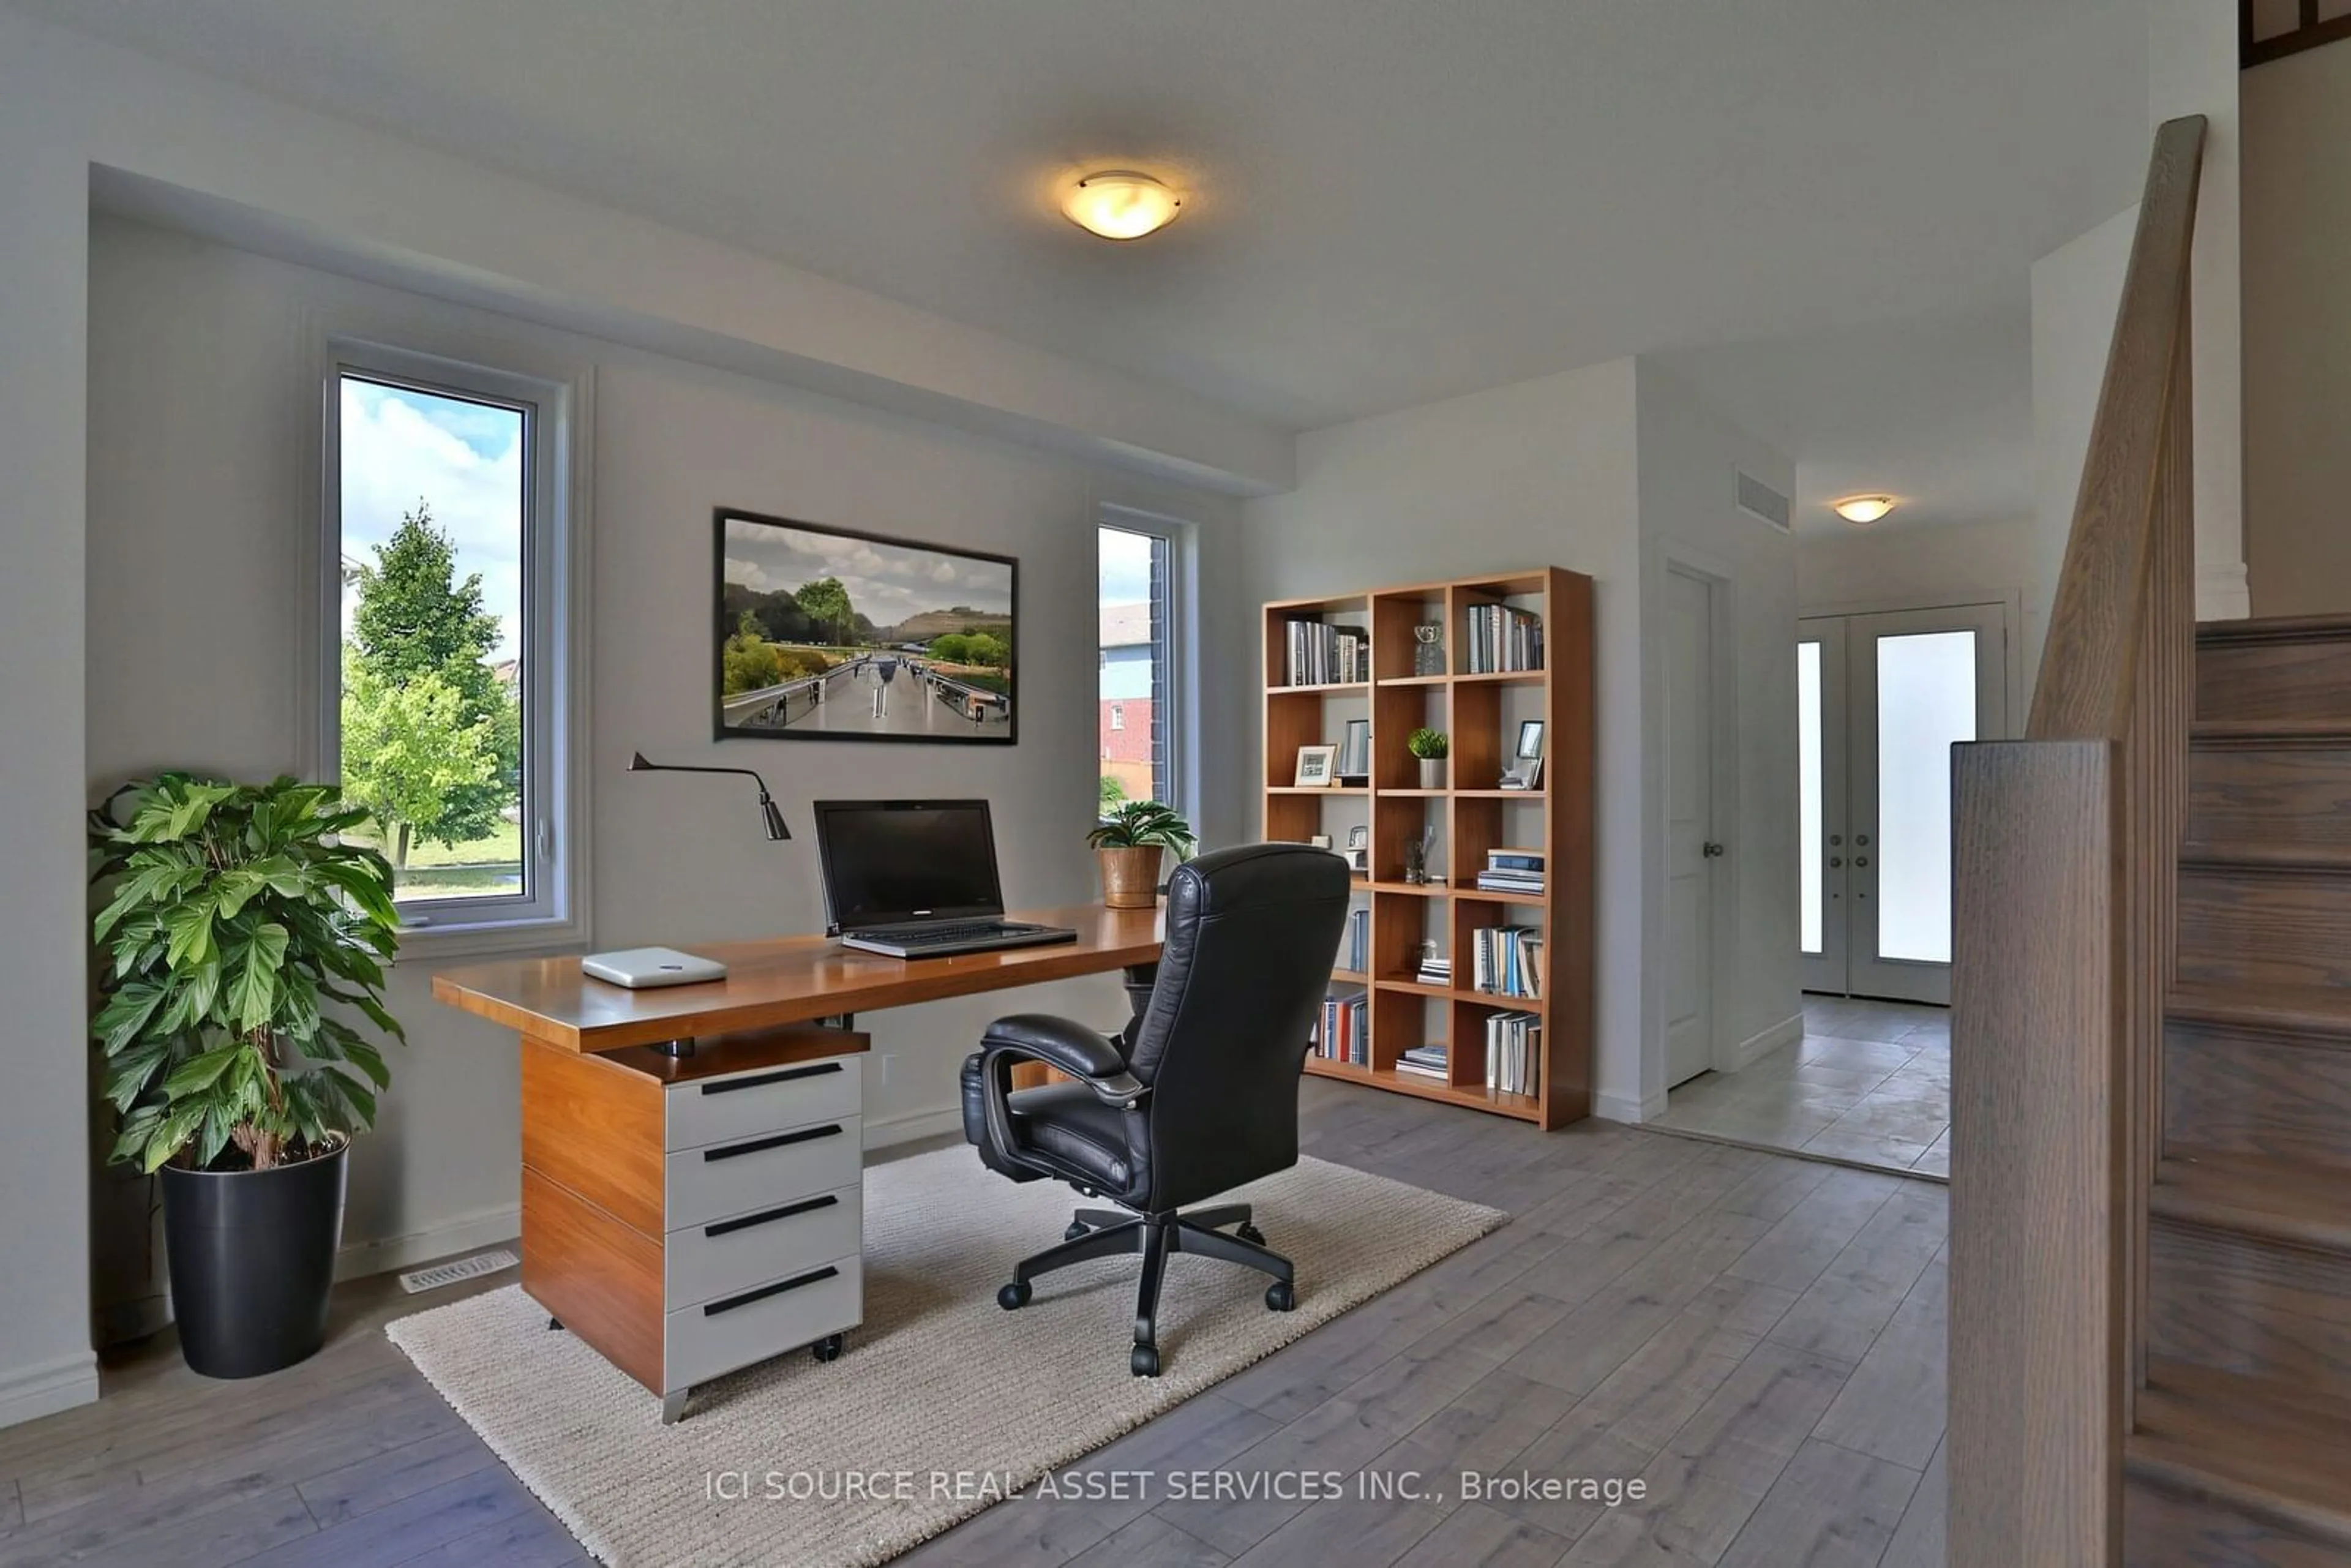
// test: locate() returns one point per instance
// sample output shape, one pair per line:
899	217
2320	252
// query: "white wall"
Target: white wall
75	113
2298	332
1954	565
201	403
1690	454
1560	472
2075	292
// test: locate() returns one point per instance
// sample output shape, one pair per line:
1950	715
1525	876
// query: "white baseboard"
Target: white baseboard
1624	1108
466	1233
47	1387
907	1126
1787	1032
2222	593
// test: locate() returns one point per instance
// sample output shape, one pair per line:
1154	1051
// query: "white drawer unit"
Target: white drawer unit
745	1105
762	1170
692	1213
706	1261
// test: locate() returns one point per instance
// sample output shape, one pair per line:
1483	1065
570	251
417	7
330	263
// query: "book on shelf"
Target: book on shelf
1529	862
1324	655
1342	1034
1501	638
1510	881
1514	1053
1354	759
1507	960
1436	971
1356	940
1426	1060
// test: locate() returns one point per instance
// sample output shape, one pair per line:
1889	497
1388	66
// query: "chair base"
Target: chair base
1114	1233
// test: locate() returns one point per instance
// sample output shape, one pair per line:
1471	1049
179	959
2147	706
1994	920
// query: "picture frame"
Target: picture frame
1317	767
1359	837
898	640
1525	769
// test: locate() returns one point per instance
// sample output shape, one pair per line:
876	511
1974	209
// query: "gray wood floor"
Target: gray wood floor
1756	1340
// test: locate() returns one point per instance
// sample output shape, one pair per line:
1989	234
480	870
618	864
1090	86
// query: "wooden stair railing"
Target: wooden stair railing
2065	849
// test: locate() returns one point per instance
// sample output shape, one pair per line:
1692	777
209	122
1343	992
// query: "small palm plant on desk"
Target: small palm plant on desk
1130	843
232	917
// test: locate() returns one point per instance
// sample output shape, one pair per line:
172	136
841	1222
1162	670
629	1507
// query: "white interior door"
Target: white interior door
1823	854
1920	682
1691	847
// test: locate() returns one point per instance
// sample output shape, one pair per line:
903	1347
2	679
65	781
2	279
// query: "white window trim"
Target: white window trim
433	353
1179	680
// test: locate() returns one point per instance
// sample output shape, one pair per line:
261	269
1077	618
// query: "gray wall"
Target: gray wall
200	409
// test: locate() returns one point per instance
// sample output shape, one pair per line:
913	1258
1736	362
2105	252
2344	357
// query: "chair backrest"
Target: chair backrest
1251	936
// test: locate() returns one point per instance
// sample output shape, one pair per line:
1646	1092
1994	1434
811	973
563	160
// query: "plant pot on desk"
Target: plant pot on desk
1432	773
1130	875
252	1257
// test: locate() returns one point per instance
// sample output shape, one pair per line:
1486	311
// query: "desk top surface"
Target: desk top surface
783	981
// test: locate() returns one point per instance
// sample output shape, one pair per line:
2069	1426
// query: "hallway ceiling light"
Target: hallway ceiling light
1862	510
1121	204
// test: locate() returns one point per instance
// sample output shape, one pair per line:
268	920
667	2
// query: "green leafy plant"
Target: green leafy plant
231	918
1428	745
1143	825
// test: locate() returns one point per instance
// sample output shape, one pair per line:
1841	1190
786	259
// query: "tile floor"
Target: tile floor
1870	1081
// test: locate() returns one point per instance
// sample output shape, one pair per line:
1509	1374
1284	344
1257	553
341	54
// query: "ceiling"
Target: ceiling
1392	200
1936	409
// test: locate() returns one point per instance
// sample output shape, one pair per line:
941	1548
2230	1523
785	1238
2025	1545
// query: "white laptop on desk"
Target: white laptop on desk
642	968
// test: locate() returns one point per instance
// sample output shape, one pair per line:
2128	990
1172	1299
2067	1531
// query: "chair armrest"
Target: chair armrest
1081	1052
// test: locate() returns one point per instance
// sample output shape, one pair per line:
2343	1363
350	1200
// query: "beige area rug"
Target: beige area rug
941	1393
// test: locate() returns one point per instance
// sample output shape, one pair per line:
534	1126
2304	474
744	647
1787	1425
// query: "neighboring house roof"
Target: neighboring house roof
1125	626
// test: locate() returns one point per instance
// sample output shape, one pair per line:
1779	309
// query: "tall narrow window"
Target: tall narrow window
445	716
1137	681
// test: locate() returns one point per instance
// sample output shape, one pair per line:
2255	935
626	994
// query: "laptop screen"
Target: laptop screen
890	862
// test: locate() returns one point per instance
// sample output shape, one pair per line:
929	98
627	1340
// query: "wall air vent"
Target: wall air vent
1759	500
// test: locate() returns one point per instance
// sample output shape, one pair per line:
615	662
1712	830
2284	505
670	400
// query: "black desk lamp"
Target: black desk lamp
775	819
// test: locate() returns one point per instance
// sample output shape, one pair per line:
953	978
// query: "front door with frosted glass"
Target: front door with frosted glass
1881	700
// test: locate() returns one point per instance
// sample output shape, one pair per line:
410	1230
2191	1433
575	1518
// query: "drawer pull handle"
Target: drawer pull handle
768	1216
764	1291
761	1081
760	1146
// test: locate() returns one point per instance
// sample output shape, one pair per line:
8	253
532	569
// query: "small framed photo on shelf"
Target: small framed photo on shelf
1359	848
1317	767
1525	769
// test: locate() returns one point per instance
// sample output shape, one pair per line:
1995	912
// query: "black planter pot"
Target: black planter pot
253	1259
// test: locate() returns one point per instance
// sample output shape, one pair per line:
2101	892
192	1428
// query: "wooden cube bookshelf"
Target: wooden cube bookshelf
1472	815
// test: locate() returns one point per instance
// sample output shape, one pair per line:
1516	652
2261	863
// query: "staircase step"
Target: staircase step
2272	1199
2269	734
2264	925
2262	1451
2249	1270
2266	855
2297	668
2298	794
2258	1073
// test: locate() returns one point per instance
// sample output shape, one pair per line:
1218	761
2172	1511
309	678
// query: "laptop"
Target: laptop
916	879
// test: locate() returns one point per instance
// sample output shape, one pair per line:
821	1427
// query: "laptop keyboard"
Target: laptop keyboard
939	935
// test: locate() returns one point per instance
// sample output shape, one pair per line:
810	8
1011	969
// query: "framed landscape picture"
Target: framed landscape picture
824	633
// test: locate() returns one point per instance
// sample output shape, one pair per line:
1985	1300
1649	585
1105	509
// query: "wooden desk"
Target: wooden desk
690	1214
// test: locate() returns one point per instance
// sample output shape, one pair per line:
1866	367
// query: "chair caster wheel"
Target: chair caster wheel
1077	1228
1250	1234
1280	1297
827	1348
1145	1362
1014	1296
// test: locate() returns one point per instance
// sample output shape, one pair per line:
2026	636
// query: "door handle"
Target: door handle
1710	850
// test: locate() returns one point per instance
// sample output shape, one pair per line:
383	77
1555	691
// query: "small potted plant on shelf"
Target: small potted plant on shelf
232	925
1431	747
1130	843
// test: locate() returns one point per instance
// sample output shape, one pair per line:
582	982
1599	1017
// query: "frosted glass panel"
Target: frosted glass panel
1809	847
1925	703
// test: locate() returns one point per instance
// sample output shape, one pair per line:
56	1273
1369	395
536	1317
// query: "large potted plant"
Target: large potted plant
233	928
1130	843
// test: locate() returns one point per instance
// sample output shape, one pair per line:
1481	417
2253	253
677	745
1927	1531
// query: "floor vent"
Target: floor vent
1761	502
442	1274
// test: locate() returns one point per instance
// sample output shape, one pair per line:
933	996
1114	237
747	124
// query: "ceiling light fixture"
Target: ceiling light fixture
1121	204
1862	510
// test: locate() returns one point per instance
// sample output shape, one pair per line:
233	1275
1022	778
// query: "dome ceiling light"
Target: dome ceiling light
1121	204
1862	510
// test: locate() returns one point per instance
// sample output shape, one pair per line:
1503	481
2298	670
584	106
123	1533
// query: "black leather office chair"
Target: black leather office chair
1200	1094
